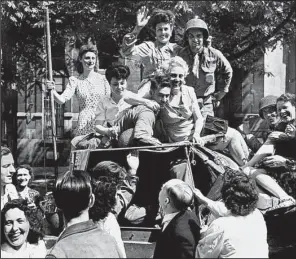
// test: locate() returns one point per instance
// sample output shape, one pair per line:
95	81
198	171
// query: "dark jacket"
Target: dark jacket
180	237
85	240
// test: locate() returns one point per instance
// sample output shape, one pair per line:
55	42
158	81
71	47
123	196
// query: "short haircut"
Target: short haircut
180	195
104	190
288	97
109	169
162	16
239	192
118	72
25	166
178	62
84	49
159	82
35	218
72	193
5	151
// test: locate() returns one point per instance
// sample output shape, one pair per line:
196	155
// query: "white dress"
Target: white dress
89	96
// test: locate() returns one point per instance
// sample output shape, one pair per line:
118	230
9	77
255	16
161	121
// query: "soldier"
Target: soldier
205	65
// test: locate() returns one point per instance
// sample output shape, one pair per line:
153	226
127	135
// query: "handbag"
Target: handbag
214	125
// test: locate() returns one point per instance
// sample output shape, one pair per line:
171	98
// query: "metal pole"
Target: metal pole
51	96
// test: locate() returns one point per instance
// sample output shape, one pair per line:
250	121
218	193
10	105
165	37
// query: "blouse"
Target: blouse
236	237
27	251
178	120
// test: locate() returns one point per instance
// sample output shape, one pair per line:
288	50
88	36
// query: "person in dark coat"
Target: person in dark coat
180	228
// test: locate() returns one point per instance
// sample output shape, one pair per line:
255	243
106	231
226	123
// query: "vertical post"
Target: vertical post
51	97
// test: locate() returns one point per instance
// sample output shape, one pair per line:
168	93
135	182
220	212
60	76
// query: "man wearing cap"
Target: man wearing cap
267	112
180	230
206	64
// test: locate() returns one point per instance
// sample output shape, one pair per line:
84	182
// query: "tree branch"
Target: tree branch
266	38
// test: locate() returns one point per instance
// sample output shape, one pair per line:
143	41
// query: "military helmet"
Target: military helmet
269	100
198	24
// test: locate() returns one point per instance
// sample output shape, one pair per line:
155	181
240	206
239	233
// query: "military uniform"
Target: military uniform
204	68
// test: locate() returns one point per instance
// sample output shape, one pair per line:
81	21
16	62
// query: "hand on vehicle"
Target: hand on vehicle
198	140
133	161
142	16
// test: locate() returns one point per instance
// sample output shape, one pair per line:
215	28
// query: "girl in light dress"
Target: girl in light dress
89	87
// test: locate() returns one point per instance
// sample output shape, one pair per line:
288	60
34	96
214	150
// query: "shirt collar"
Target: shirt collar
78	228
167	219
169	46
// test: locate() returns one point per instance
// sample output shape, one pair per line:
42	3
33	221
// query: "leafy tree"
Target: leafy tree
242	30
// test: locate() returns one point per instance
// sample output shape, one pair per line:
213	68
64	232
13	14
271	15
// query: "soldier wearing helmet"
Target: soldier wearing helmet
205	65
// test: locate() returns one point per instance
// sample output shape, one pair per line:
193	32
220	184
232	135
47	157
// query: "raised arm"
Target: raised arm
136	99
129	40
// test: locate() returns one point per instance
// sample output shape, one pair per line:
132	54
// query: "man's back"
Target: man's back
85	240
180	237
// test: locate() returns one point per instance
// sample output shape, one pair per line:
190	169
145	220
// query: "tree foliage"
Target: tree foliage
242	30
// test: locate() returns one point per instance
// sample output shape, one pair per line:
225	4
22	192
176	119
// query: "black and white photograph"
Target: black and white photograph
148	129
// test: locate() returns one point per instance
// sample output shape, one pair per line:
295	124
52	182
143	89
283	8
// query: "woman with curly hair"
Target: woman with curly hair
242	233
22	179
153	55
104	189
21	231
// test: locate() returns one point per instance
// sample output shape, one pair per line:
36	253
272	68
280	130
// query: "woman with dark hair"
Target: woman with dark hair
22	179
242	233
153	55
89	87
105	191
21	231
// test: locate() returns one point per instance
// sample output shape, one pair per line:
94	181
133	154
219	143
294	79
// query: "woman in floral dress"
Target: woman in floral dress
89	87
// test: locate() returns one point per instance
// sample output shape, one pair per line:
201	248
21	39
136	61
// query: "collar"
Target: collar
167	219
113	101
78	228
192	54
169	45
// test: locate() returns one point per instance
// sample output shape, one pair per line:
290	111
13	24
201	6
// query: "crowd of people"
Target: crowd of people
182	87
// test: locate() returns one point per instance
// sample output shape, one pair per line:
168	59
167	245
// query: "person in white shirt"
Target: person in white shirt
242	231
114	115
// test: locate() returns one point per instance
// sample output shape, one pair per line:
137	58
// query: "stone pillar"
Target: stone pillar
275	71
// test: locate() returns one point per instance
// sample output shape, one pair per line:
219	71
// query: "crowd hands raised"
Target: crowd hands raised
177	93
